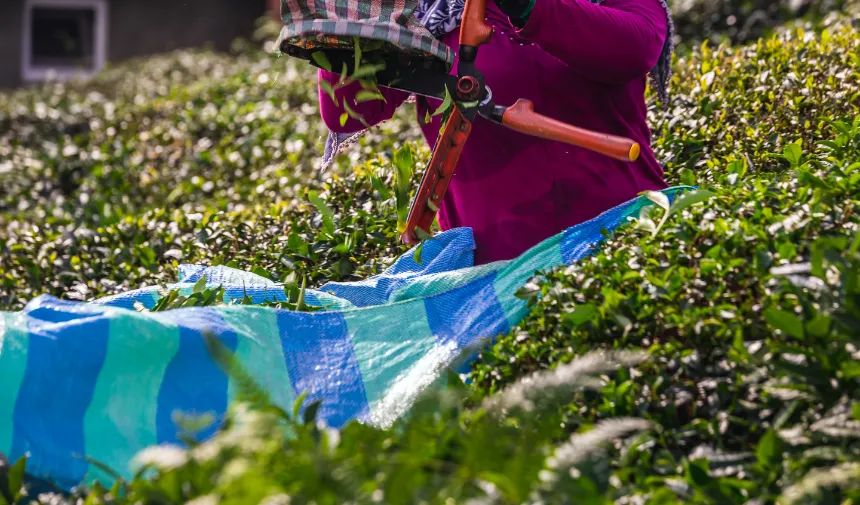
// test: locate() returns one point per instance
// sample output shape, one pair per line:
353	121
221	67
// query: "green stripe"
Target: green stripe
518	272
332	303
121	419
260	352
389	342
14	340
430	285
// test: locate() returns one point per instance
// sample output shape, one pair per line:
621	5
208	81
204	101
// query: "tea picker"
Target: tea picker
401	54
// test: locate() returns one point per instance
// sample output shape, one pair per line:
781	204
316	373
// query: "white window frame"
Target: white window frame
31	73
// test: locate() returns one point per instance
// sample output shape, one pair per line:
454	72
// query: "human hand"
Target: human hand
517	10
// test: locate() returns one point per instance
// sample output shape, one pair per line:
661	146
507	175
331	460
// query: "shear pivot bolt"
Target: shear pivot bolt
468	87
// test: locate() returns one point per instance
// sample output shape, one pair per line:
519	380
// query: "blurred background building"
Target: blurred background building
40	38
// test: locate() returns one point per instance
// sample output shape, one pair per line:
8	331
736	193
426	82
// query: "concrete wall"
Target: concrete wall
11	16
144	27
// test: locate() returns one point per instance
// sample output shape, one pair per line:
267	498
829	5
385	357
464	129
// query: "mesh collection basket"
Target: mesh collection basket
388	25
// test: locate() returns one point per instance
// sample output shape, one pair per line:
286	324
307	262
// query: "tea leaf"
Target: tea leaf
368	96
659	198
15	479
321	60
581	314
200	285
792	153
769	449
447	103
690	199
786	322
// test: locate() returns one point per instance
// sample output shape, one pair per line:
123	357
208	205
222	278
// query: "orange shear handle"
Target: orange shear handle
522	117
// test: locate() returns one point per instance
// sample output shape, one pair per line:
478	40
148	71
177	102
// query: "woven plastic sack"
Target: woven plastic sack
335	24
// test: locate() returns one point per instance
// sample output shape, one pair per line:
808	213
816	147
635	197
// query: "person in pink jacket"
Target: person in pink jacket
580	62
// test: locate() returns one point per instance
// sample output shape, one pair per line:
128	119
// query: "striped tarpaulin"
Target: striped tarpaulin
103	381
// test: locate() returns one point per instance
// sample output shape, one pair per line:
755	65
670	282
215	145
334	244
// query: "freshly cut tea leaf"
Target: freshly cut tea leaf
356	42
344	75
328	90
355	115
446	104
321	59
367	71
368	96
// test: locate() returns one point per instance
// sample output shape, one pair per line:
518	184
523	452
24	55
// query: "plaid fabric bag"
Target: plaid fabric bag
333	24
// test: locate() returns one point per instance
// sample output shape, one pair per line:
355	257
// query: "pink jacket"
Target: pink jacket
580	63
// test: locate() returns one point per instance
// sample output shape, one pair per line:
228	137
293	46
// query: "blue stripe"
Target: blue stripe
322	363
579	241
68	344
468	313
193	384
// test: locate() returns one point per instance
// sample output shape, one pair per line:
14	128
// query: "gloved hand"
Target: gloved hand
517	10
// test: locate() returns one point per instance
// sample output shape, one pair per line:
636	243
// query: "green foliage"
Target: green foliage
746	294
742	21
734	109
498	450
189	169
11	480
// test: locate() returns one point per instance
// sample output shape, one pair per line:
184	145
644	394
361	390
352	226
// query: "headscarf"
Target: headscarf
441	17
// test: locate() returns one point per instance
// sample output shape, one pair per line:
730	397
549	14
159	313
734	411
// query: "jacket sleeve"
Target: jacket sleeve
615	42
373	111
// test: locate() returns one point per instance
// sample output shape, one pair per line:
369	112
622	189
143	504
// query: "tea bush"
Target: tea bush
744	294
193	157
742	21
749	297
747	291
